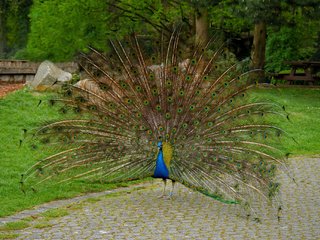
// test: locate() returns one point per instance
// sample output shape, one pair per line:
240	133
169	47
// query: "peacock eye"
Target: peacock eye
151	76
175	69
93	107
77	109
68	93
123	84
142	128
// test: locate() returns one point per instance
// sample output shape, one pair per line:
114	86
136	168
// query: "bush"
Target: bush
288	44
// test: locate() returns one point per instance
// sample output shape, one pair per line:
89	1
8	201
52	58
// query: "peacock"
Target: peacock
169	109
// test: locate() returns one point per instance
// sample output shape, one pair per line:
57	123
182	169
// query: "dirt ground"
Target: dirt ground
6	88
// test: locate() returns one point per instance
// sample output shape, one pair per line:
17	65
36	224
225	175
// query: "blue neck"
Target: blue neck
161	170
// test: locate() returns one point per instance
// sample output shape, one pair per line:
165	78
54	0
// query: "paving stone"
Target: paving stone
191	215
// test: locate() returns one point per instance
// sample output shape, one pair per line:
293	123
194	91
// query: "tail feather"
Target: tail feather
223	144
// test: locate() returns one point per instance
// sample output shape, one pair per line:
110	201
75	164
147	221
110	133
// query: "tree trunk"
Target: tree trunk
202	25
2	36
258	51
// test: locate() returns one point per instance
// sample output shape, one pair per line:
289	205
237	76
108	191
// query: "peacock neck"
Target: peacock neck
161	170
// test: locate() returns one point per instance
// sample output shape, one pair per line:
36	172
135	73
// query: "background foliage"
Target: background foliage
57	30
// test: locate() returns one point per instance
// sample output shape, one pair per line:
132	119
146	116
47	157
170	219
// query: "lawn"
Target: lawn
303	108
19	111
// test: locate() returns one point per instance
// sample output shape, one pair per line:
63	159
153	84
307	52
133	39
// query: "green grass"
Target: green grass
55	213
299	70
42	225
18	225
303	107
19	110
8	235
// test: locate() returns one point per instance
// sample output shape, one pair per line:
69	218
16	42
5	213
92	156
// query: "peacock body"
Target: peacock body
159	108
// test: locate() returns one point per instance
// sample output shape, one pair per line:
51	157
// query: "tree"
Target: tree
263	17
296	38
60	29
3	41
14	26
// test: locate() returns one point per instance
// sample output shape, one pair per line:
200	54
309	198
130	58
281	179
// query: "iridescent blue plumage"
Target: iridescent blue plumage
161	170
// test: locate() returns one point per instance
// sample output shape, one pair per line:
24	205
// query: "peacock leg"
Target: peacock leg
164	187
171	193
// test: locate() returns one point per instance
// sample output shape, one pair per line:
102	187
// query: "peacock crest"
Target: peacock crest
214	137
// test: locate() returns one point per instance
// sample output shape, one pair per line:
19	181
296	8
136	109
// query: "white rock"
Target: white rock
49	76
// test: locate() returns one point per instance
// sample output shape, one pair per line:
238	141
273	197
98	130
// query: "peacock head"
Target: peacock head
160	145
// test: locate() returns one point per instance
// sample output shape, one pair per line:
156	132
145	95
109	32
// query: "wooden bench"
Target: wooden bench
302	71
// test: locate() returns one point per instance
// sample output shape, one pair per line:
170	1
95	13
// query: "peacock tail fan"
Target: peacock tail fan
148	90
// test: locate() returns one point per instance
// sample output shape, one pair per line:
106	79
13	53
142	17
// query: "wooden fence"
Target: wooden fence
20	71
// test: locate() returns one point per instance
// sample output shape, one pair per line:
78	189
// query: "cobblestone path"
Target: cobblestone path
139	214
